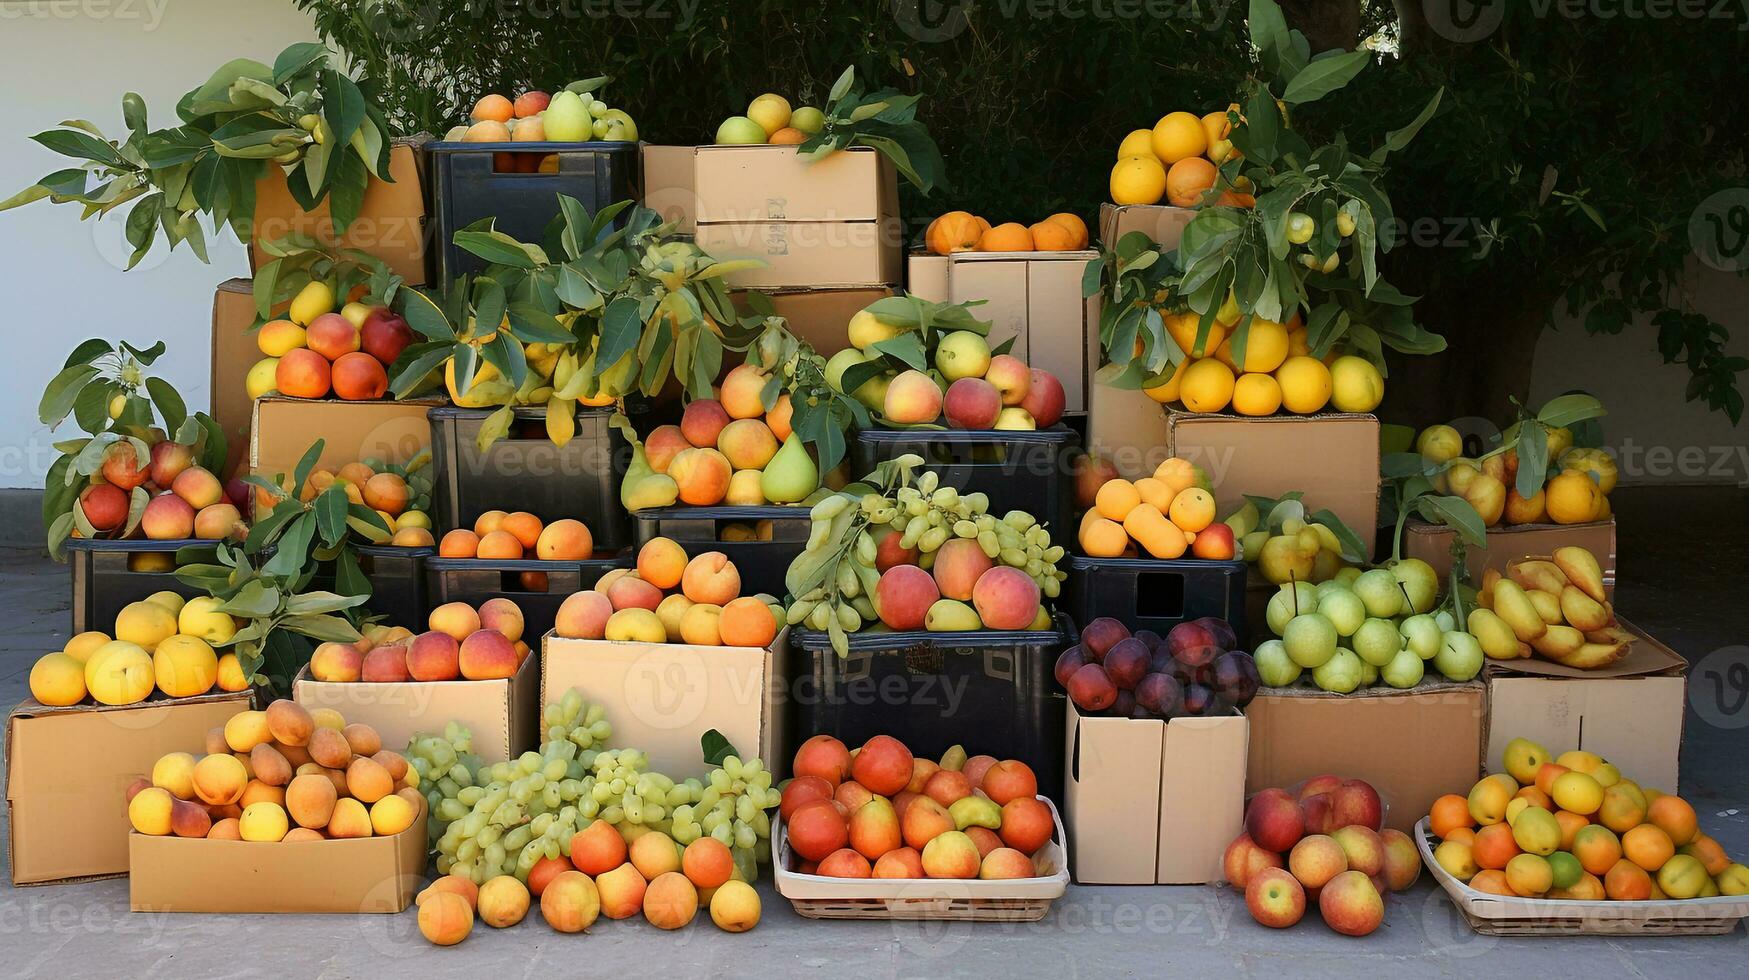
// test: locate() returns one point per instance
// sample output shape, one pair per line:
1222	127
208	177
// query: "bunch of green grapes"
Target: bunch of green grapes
732	808
626	794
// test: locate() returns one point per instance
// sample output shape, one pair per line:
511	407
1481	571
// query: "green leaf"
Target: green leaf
425	316
1455	513
327	629
342	105
1564	410
1533	459
1353	549
169	403
1397	139
496	247
295	59
62	391
91	409
253	601
1325	75
1269	33
307	464
72	143
330	508
317	603
293	548
716	747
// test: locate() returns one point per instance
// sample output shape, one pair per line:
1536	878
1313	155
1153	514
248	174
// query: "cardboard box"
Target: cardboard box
806	254
1127	427
662	697
234	353
668	184
819	316
1630	712
1163	223
756	184
354	876
67	773
504	715
1413	746
1432	544
1153	802
1333	457
284	429
390	223
1034	297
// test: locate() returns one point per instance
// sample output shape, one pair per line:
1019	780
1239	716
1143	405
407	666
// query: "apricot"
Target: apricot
664	443
451	885
711	578
486	655
845	863
459	543
653	854
583	616
220	779
310	799
357	376
734	906
702	476
901	862
502	616
564	540
391	814
225	829
297	834
747	443
707	862
630	592
671	901
269	766
302	373
151	811
570	902
500	545
701	422
167	517
445	919
289	723
747	622
385	665
350	820
263	822
329	749
458	619
622	891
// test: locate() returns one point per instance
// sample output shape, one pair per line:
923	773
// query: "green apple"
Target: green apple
1419	581
1274	667
1290	600
1459	657
1421	634
1310	639
1404	671
1344	608
1378	588
1377	641
1341	674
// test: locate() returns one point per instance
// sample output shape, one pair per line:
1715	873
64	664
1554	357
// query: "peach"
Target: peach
743	393
1402	862
903	862
1006	862
701	625
822	756
434	656
583	616
332	336
1011	377
570	902
499	545
445	919
167	517
913	398
661	562
529	104
707	862
337	662
844	863
888	551
904	595
597	849
503	901
1006	599
851	795
357	377
803	789
216	522
883	764
780	416
1274	820
953	855
385	665
564	540
671	901
874	828
1356	802
489	521
666	441
1008	780
747	443
502	616
701	423
702	476
628	592
947	786
524	527
972	403
1044	399
188	819
1243	860
122	467
486	656
711	577
1315	860
449	885
1026	824
817	828
105	506
459	543
923	821
622	891
458	619
1364	848
959	563
302	373
654	854
387	492
747	622
545	871
1351	905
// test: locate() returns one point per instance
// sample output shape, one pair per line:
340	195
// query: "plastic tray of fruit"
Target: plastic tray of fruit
1501	915
969	899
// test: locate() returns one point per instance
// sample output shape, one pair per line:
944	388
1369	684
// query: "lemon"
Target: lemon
58	680
1266	346
80	647
1179	135
1256	394
1167	391
865	331
315	299
1571	497
1356	385
1305	384
262	378
771	111
1207	386
145	624
1139	143
1597	462
1183	326
1137	180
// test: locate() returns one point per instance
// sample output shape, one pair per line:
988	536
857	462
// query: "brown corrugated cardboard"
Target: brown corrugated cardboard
774	183
1127	427
1163	223
819	316
285	428
67	773
1413	746
1432	544
234	352
1630	713
353	876
1152	802
503	715
1333	458
1033	297
668	184
661	697
806	254
390	223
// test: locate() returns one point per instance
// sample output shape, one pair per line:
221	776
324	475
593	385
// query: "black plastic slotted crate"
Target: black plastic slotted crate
474	580
526	471
1017	469
1155	594
470	181
762	563
397	582
104	582
991	691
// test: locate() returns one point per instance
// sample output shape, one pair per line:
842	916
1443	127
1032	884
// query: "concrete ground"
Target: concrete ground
1684	555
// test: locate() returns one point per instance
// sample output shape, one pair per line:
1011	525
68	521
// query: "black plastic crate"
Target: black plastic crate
470	181
103	582
991	691
526	471
474	580
1155	594
762	564
397	581
1025	470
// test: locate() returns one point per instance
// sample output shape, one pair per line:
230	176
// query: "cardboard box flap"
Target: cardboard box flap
32	708
1645	658
492	710
284	428
1162	223
1196	829
775	183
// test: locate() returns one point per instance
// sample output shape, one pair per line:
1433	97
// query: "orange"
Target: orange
1234	199
1627	882
955	231
1048	236
1010	236
1077	227
1138	180
1179	135
1492	881
1675	817
1207	386
1448	813
1188	180
1647	846
1494	846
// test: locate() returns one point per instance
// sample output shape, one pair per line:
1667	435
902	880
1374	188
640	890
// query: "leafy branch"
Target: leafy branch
885	120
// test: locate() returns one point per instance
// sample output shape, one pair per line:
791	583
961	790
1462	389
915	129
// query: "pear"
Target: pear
644	488
1514	606
1497	639
1281	559
1537	575
1582	611
1580	567
567	119
791	475
1420	583
951	616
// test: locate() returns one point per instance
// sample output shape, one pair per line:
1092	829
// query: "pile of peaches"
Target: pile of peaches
1321	842
722	452
1168	515
399	503
460	643
515	535
314	351
880	812
671	598
187	500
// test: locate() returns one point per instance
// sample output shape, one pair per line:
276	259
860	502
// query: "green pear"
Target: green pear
1379	590
1420	583
1310	639
975	811
791	475
1283	560
566	119
1344	608
1274	667
1290	600
1341	674
1377	642
1404	671
951	616
1459	657
1421	634
643	488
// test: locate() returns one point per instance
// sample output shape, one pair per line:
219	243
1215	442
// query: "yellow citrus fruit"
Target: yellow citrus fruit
1265	346
169	600
1571	497
185	666
1139	143
315	299
230	674
1178	135
81	646
1183	328
1305	384
1256	394
1598	462
1167	391
262	377
1192	510
145	623
119	673
1138	180
57	680
1356	386
1207	386
1577	792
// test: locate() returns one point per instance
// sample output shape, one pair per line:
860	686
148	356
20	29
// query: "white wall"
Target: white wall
63	279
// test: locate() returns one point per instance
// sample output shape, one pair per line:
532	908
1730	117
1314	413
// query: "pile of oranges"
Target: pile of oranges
1178	161
962	231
